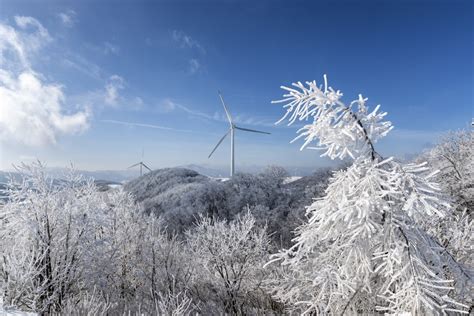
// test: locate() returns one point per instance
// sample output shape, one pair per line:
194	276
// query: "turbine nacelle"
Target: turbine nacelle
141	164
231	131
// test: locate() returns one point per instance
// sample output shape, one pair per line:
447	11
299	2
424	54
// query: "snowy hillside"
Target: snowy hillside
180	195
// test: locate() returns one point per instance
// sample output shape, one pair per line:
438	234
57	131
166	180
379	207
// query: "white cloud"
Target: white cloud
33	111
112	88
67	18
194	66
186	41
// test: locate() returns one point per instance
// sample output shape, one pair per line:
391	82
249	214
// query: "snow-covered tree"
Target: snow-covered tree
453	156
115	250
229	258
166	268
66	247
363	249
46	230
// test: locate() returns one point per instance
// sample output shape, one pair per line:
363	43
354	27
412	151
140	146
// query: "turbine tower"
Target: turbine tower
231	131
141	164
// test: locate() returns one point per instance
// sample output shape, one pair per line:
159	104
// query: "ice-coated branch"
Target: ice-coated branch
363	248
340	130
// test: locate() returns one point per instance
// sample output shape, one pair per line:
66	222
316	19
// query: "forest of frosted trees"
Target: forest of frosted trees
375	236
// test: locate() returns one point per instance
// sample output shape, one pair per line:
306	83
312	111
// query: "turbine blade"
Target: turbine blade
251	130
137	164
218	143
225	108
145	166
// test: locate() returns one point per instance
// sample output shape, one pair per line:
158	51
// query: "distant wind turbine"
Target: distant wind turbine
141	164
231	130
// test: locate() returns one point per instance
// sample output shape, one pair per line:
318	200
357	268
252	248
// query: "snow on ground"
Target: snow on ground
219	179
291	179
15	313
286	181
12	312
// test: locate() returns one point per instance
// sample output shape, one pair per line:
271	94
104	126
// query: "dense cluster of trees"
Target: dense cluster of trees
68	247
376	236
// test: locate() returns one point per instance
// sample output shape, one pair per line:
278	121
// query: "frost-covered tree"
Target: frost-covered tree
46	229
166	268
67	248
453	156
113	256
363	249
229	259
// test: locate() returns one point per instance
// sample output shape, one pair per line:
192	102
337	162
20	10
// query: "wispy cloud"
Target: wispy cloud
137	103
168	105
104	48
194	66
218	116
254	120
68	18
245	119
79	63
131	124
112	88
186	41
110	48
112	94
19	44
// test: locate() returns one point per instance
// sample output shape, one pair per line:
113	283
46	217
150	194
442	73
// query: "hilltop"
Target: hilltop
180	195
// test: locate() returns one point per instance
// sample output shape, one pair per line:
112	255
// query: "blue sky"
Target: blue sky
161	63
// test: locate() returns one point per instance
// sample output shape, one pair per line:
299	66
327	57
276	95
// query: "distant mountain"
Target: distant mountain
116	176
5	176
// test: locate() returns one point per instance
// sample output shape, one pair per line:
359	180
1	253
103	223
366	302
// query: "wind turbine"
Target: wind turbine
231	131
141	164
